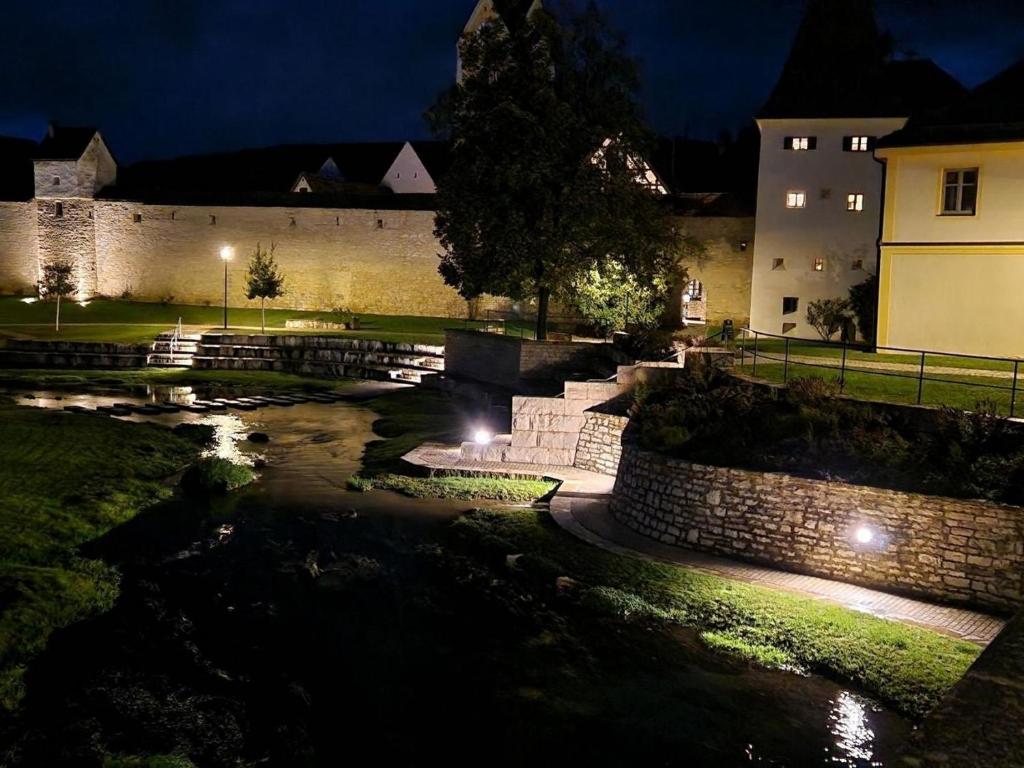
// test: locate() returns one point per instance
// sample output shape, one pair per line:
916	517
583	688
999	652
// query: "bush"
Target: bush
827	316
864	305
216	475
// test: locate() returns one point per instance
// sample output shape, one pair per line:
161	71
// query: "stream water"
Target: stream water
295	623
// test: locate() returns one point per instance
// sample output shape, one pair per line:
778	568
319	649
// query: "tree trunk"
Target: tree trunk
542	314
263	315
58	313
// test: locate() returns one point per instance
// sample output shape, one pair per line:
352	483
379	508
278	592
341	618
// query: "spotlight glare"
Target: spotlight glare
865	535
482	437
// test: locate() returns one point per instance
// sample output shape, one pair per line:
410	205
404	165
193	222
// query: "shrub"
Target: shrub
864	305
827	316
216	475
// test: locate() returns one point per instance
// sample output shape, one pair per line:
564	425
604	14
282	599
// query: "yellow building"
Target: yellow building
951	274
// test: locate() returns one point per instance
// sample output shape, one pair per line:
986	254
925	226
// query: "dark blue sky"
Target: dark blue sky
163	77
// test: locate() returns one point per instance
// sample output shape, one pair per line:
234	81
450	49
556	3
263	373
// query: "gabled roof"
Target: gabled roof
838	67
17	179
64	142
994	111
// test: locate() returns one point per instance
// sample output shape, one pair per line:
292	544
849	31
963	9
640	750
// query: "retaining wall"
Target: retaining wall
954	550
600	444
16	353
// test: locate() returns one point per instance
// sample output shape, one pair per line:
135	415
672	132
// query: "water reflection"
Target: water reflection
229	434
854	738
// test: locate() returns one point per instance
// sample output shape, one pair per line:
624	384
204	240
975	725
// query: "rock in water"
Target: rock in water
259	437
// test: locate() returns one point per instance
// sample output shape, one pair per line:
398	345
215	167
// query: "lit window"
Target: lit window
857	143
855	202
56	181
819	264
778	263
58	210
790	304
801	143
960	192
858	264
796	199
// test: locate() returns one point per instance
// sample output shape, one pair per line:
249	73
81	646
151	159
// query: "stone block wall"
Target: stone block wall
954	550
67	233
19	257
600	445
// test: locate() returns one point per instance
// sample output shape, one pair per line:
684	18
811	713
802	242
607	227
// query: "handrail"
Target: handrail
843	365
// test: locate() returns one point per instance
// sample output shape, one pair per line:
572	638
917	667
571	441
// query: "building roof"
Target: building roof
17	179
266	170
64	142
994	111
839	67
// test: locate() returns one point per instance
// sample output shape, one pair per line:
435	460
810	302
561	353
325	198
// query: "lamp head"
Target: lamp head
226	253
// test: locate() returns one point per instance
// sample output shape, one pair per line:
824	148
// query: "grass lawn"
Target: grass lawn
133	322
907	667
66	479
832	355
254	381
954	391
496	488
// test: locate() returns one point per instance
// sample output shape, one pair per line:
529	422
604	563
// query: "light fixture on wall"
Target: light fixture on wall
744	245
864	535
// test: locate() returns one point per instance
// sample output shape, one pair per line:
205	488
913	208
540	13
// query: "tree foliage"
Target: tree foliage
827	316
57	282
264	280
864	305
542	190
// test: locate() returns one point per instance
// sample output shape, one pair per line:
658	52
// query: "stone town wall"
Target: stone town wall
68	233
19	256
360	260
953	550
724	269
600	445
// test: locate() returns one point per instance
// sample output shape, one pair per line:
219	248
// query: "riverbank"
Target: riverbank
66	479
126	380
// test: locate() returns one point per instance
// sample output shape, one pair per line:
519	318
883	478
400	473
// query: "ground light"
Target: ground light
30	300
482	437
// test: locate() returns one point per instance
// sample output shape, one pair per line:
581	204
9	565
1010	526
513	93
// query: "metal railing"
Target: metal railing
508	323
927	373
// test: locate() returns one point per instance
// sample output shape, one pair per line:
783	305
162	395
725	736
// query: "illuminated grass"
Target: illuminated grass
499	489
908	667
66	479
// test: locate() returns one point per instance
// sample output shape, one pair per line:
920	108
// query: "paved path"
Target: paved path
580	506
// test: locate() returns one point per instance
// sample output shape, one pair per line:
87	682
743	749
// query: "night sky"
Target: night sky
163	78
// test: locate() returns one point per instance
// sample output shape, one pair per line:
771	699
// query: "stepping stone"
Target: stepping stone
279	402
210	405
147	410
168	407
258	402
239	406
127	406
76	409
297	399
194	408
111	410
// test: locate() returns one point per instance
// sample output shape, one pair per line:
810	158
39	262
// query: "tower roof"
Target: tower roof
64	142
839	67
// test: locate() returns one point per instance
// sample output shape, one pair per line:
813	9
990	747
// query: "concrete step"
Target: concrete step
168	335
181	346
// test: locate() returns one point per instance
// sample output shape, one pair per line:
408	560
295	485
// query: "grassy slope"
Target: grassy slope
954	391
139	322
908	667
66	479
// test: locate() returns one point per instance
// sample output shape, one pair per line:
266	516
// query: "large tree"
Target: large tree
547	181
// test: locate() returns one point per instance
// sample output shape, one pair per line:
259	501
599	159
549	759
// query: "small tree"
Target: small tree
864	303
612	299
56	282
827	316
264	281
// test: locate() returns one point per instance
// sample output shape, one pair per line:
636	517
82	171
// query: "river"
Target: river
296	623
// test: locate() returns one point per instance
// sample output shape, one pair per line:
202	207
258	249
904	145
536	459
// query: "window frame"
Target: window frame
944	185
800	143
818	264
799	197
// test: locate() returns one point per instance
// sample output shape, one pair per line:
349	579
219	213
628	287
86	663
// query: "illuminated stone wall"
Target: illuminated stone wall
70	236
939	548
725	268
19	252
360	260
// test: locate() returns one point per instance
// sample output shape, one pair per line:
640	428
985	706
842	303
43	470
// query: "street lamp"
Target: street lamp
225	255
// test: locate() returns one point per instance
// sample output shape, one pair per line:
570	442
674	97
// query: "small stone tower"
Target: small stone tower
71	166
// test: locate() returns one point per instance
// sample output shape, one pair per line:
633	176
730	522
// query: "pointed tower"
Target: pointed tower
819	196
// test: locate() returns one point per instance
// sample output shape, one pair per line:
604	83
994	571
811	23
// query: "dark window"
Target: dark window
790	304
173	215
778	263
858	264
380	223
137	218
58	210
337	221
56	181
787	327
291	223
960	192
213	219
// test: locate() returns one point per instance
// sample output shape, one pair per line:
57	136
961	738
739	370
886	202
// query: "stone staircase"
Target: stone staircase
545	430
173	349
322	356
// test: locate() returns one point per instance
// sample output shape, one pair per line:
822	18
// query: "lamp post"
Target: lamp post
225	256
